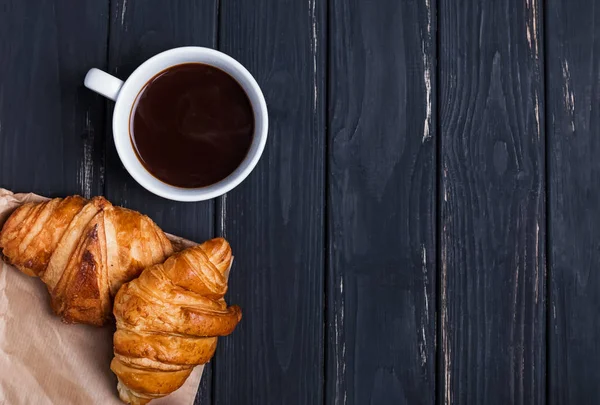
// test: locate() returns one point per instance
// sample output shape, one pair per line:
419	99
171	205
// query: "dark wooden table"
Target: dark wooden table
424	225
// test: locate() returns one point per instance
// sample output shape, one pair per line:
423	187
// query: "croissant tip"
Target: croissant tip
218	246
220	240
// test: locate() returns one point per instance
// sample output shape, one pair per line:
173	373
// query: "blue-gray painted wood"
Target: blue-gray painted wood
51	127
381	203
573	94
275	219
492	247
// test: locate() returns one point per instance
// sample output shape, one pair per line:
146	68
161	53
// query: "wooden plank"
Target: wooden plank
51	127
573	59
492	279
138	31
274	219
381	206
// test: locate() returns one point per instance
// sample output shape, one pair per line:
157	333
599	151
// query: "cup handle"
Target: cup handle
103	83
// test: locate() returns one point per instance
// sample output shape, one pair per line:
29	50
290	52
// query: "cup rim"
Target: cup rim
129	93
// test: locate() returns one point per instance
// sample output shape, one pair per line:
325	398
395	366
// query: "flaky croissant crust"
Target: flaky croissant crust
168	321
83	250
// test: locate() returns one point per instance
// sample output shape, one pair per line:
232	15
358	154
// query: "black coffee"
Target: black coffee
192	125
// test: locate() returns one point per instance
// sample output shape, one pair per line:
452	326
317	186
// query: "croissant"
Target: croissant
83	250
168	321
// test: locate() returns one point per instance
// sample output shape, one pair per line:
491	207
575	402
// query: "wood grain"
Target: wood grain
139	30
51	127
274	220
492	203
381	204
573	96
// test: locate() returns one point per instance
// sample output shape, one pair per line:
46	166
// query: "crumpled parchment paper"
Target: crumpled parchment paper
44	361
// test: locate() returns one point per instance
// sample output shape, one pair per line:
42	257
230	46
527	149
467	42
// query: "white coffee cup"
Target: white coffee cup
125	94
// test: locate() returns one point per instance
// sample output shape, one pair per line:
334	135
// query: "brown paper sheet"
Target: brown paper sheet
44	361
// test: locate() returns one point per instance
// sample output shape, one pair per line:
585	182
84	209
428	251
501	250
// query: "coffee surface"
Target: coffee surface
192	125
